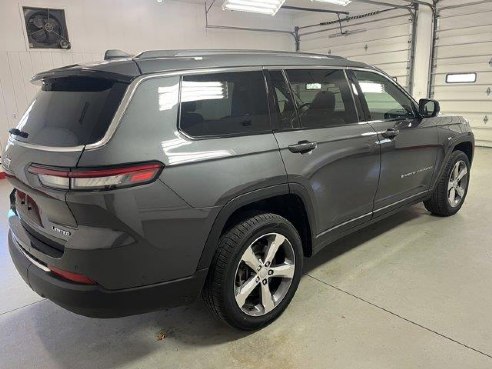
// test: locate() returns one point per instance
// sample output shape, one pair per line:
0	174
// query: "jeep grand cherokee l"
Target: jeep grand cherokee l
142	182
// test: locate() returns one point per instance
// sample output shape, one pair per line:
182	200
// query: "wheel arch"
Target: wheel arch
280	199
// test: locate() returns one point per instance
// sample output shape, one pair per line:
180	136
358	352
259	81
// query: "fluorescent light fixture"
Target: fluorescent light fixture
461	78
270	7
371	87
313	86
335	2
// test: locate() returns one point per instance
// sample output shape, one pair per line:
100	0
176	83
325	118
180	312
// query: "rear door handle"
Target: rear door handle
390	133
303	147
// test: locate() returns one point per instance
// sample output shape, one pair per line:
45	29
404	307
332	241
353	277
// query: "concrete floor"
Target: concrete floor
413	291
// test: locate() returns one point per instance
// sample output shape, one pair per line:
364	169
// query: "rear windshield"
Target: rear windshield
71	111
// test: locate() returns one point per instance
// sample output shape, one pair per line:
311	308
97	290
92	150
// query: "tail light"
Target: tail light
72	277
96	178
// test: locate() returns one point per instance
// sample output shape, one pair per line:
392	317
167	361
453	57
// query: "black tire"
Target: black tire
439	203
219	290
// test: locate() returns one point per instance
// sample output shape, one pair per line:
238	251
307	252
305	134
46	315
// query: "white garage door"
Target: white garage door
463	49
383	40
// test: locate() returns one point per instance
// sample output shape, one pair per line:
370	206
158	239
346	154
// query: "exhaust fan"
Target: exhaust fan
46	28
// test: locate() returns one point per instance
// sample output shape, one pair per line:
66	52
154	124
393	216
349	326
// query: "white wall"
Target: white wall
131	25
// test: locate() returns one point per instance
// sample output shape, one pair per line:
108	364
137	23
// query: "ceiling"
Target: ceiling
356	6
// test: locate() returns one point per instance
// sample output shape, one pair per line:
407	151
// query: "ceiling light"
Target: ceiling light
270	7
335	2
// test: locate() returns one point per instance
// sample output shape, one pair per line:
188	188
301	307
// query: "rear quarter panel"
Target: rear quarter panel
170	220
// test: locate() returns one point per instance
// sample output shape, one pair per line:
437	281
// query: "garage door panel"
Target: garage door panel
478	61
466	106
483	136
461	94
483	78
470	49
465	10
465	39
387	37
369	37
462	68
372	47
463	21
469	31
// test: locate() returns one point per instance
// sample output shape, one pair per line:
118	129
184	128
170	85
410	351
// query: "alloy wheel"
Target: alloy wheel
458	183
264	274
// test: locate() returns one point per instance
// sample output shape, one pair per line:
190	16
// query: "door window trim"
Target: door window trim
219	71
308	67
363	100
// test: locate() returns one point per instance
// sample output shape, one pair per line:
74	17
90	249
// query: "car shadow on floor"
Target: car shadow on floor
362	236
75	341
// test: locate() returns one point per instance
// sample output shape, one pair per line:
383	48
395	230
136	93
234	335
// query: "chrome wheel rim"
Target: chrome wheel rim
457	184
264	274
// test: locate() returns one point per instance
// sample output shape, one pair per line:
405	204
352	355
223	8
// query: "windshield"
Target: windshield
71	111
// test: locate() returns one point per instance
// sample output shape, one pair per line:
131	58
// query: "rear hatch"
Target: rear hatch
71	110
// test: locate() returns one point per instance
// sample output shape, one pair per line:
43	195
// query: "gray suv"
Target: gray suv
141	182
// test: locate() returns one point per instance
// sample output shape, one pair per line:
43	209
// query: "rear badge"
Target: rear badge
61	231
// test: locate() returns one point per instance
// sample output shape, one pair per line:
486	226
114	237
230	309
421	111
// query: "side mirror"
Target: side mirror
429	108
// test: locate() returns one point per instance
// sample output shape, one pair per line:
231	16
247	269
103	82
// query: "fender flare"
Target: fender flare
243	200
449	149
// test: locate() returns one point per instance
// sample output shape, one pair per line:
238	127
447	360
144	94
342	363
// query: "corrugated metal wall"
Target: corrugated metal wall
384	40
464	45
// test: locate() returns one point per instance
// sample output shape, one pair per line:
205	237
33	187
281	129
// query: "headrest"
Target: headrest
188	107
324	100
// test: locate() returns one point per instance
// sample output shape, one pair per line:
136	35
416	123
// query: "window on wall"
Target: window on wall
323	97
461	78
384	99
222	104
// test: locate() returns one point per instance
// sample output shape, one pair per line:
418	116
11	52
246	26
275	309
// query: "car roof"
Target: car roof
160	61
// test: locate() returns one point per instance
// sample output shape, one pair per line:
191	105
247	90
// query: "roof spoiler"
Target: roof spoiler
115	54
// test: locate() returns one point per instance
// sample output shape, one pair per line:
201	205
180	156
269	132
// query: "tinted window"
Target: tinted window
71	111
224	104
323	97
284	104
384	99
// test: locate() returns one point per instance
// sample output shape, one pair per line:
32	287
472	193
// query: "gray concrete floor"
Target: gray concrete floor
413	291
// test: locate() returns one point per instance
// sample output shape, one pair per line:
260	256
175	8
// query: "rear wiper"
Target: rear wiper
18	132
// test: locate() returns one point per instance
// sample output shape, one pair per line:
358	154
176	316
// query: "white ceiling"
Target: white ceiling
356	6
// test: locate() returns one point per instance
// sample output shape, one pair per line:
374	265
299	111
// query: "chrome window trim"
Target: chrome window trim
127	97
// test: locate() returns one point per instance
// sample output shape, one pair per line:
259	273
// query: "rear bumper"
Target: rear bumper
95	301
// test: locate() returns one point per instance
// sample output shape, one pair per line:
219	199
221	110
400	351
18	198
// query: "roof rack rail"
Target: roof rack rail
152	54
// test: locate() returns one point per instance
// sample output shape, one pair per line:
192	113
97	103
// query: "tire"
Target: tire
230	273
441	203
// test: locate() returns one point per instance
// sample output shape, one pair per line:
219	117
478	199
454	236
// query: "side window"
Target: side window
224	104
384	99
323	97
286	110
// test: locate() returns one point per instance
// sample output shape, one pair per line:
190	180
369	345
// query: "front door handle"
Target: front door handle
303	147
390	133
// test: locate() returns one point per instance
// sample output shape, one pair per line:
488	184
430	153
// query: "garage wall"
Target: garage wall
131	25
464	45
386	42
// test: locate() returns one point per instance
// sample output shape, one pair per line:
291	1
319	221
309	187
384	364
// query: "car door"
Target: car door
326	151
408	144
